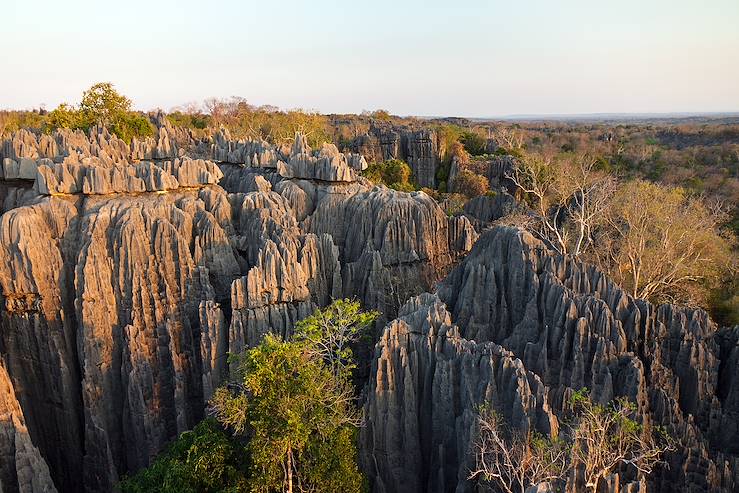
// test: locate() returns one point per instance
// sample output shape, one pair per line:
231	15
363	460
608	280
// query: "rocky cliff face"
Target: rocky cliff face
22	468
420	148
126	282
129	271
426	386
566	326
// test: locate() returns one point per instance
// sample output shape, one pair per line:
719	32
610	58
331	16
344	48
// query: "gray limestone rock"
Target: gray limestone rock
425	387
22	468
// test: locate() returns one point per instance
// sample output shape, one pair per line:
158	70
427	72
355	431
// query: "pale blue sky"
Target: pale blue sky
464	58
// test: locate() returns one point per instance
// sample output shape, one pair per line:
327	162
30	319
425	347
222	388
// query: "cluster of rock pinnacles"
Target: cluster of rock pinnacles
128	272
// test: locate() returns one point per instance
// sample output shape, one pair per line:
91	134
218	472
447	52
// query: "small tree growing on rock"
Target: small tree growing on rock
331	332
103	104
471	184
294	411
295	403
513	460
606	438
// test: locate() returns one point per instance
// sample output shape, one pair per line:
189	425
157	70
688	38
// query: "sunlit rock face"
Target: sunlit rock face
129	271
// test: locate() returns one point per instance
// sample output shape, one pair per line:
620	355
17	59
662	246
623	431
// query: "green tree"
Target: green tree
383	115
65	116
392	173
331	332
103	104
299	417
470	184
474	143
129	125
204	460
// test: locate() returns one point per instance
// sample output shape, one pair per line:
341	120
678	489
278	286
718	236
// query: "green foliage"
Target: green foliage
12	121
603	164
129	125
65	116
447	135
724	302
442	173
331	465
331	332
393	173
297	411
292	402
194	121
471	184
453	204
502	151
203	460
101	105
382	115
267	122
473	143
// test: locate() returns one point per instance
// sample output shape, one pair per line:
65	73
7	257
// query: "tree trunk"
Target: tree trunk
289	471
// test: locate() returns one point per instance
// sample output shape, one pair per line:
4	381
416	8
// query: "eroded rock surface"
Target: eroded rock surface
125	283
426	386
128	272
22	468
568	326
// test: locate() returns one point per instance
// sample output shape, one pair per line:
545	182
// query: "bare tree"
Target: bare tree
606	438
591	196
513	460
510	138
568	197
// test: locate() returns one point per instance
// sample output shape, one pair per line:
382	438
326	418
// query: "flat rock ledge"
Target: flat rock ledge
91	179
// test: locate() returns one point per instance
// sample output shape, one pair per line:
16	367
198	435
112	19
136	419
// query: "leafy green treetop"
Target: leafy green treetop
103	104
393	173
204	460
293	406
294	410
329	334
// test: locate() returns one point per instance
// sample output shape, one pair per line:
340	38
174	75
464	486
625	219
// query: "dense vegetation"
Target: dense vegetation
392	173
286	422
204	460
244	120
101	105
632	199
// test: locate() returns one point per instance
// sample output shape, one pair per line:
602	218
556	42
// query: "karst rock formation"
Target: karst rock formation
128	272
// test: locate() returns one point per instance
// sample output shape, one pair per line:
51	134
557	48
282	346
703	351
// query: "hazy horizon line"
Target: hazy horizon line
507	116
